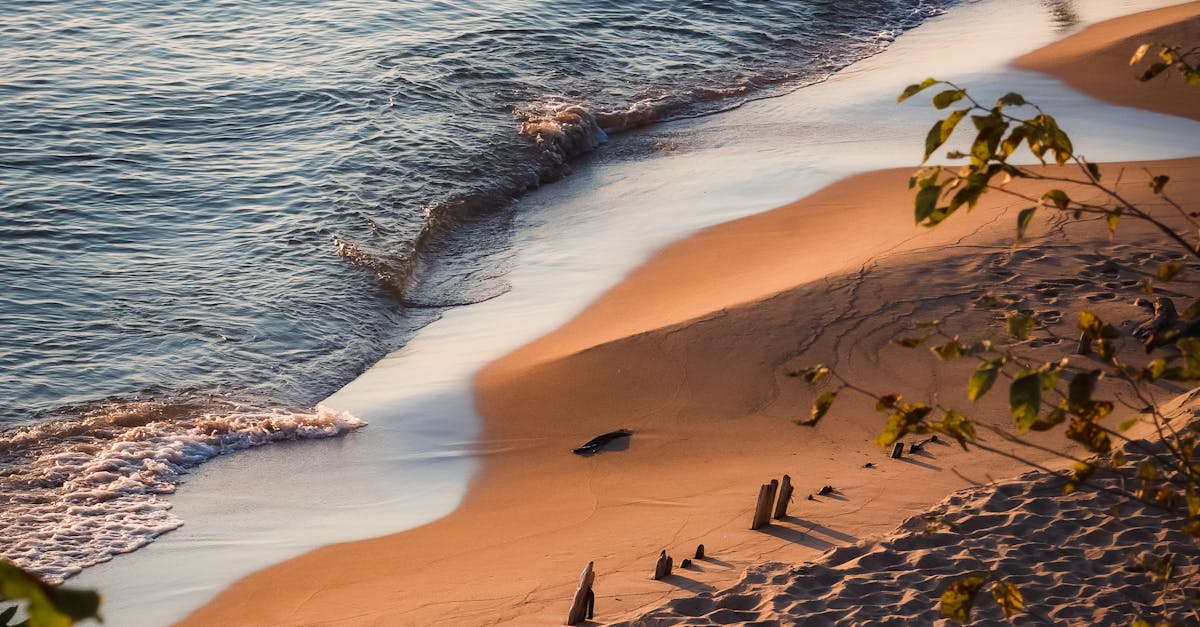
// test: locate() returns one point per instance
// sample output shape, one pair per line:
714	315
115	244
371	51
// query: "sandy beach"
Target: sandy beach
692	352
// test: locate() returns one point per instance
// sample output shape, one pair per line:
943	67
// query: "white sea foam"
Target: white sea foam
90	488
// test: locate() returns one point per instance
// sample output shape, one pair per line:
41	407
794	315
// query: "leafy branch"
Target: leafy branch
1045	395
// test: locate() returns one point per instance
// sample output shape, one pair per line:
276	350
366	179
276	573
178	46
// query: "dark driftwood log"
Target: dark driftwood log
898	450
785	497
766	500
699	551
663	567
593	446
585	600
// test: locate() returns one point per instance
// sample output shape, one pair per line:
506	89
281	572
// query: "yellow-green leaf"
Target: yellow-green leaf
982	380
46	605
915	89
1009	598
1019	325
959	598
1024	398
1168	271
820	407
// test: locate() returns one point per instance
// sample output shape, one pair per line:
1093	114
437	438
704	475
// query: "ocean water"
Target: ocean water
217	213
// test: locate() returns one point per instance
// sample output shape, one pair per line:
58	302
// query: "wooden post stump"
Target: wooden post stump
699	551
662	568
898	450
766	499
785	497
585	600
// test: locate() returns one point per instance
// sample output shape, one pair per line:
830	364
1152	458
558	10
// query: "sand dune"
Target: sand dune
1096	60
692	352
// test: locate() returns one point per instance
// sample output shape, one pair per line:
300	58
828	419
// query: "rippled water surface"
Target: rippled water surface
227	207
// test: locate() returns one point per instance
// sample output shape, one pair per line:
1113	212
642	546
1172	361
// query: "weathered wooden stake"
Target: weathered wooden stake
662	568
898	450
699	551
766	499
785	497
585	600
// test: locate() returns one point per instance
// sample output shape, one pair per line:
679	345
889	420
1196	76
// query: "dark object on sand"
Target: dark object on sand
1164	326
699	551
785	498
686	563
663	567
593	446
898	450
826	490
917	447
811	498
766	501
869	465
585	600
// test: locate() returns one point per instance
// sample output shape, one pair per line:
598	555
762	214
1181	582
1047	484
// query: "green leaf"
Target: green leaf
1011	99
47	606
948	351
982	380
1127	425
820	407
958	427
1159	182
941	131
959	598
1023	220
1024	399
1189	348
1168	271
1019	325
913	90
910	342
926	202
1009	598
1012	142
1152	71
907	419
946	98
1058	198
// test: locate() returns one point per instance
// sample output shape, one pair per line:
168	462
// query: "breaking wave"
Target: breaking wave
76	492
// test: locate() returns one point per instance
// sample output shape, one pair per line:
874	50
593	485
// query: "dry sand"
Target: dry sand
692	352
1096	60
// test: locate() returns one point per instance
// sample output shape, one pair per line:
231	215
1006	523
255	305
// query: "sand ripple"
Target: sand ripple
1074	561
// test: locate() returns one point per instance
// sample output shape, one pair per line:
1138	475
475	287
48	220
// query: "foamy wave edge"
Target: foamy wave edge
75	493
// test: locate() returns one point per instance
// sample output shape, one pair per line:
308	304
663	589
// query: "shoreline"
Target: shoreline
530	556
